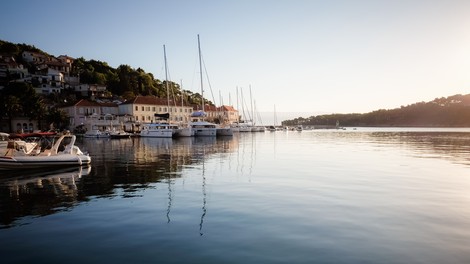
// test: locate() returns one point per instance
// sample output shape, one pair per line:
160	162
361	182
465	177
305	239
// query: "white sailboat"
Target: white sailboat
198	124
223	129
273	128
161	128
183	130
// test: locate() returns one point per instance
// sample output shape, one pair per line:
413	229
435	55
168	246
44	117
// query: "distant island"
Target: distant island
452	111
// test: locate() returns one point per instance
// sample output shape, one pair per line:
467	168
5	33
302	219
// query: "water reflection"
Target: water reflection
39	193
120	167
454	146
125	167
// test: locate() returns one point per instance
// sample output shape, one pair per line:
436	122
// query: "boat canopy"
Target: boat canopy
198	114
163	116
30	135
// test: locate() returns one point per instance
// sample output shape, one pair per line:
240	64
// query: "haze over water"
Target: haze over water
321	196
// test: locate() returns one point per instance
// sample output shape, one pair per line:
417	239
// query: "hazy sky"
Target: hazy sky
302	56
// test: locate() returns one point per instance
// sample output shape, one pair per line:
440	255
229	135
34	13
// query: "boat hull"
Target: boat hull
30	162
205	132
184	132
161	133
224	131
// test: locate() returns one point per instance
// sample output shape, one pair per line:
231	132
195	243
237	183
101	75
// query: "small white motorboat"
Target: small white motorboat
96	133
62	153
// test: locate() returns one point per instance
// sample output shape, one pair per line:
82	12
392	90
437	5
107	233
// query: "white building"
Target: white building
144	108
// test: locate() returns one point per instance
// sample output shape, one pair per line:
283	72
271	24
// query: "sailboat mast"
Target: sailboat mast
166	80
275	121
252	112
238	109
182	95
200	70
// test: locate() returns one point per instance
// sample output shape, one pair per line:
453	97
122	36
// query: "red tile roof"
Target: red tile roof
152	100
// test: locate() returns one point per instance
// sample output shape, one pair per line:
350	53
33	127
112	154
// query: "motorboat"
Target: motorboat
161	129
185	131
96	133
204	129
62	153
119	133
224	131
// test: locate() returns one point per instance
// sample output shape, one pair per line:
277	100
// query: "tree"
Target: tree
57	118
10	107
19	98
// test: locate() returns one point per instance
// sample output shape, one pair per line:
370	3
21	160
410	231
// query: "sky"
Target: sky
302	57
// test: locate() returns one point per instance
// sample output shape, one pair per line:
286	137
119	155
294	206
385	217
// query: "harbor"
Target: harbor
272	196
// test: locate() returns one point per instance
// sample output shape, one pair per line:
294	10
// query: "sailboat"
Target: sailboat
198	124
184	130
161	128
223	129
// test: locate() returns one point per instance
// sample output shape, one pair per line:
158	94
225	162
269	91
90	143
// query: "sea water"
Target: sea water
321	196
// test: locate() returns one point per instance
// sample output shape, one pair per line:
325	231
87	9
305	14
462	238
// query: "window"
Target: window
136	108
153	109
142	108
136	118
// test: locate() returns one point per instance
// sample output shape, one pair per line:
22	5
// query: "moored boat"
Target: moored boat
96	133
117	134
162	130
62	153
224	131
185	131
204	129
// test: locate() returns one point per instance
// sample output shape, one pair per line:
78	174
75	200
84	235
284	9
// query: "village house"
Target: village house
221	114
10	70
48	81
20	124
90	90
79	111
34	57
67	61
144	108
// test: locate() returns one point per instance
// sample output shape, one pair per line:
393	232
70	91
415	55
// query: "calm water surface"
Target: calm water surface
353	196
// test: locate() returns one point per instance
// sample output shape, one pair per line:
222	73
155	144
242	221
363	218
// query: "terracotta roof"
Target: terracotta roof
85	102
228	108
212	108
65	57
152	100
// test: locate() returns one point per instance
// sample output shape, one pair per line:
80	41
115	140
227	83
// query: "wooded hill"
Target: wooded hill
453	111
123	81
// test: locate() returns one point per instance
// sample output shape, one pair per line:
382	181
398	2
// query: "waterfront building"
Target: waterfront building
144	108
